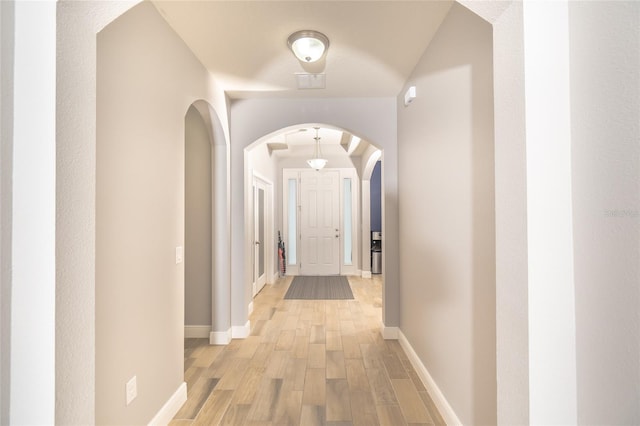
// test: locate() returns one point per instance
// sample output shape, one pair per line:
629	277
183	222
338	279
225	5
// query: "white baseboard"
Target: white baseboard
196	331
390	333
448	415
250	307
241	331
220	337
171	407
366	274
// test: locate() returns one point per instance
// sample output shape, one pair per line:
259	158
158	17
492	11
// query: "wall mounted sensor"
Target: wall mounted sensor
410	95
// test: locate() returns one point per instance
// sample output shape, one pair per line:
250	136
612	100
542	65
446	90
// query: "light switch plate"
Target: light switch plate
131	389
179	254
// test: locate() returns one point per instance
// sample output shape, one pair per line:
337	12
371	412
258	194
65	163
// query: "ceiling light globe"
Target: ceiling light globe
308	46
308	49
317	163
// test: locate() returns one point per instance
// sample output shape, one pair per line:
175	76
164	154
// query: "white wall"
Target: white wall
446	215
259	163
373	119
262	163
27	213
6	169
198	221
147	79
604	41
334	162
552	373
512	332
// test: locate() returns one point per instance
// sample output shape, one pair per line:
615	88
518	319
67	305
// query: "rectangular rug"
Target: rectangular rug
334	287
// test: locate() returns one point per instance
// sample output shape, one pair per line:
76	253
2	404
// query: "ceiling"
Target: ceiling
374	45
300	142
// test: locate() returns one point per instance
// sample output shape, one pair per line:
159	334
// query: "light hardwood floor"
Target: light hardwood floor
306	362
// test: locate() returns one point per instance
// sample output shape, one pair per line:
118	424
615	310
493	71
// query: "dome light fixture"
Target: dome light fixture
316	162
308	45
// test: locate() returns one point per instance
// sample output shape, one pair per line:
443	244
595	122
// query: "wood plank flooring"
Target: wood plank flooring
306	362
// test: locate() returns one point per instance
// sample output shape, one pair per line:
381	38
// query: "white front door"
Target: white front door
320	222
259	240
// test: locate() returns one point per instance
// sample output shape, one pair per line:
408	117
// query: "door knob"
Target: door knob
257	243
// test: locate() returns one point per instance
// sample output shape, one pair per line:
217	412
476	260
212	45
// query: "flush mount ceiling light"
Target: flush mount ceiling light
316	162
308	45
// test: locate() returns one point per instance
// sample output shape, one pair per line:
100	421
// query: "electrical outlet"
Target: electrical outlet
131	390
179	254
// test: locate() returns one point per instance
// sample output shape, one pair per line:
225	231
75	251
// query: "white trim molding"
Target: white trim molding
196	331
250	307
390	333
241	331
171	407
220	337
366	274
444	408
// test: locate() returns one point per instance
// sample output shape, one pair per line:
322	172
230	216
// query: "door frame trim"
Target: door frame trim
268	231
356	234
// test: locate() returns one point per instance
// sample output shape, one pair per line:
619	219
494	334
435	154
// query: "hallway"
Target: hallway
306	362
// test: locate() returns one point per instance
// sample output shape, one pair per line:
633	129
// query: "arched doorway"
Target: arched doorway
217	198
281	157
78	25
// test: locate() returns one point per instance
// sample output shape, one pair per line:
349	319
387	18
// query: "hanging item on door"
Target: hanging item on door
282	256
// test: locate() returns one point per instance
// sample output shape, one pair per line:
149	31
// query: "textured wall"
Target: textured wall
197	239
447	222
147	79
604	42
77	26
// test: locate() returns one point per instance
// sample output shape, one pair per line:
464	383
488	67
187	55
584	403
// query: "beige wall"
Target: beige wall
446	216
197	244
147	79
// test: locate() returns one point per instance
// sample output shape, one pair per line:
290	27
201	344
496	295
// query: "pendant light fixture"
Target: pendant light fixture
308	45
316	162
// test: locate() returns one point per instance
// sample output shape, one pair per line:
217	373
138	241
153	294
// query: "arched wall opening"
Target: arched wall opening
220	235
198	233
287	150
78	24
207	301
372	119
370	159
74	47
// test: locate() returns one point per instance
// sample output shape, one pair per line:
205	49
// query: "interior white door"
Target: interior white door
259	264
320	222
